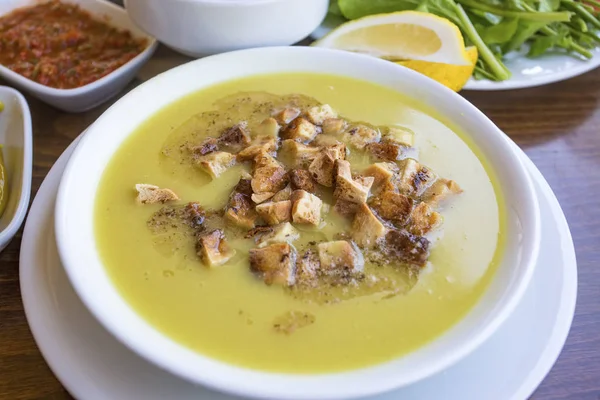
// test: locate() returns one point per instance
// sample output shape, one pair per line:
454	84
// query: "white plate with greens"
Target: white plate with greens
541	41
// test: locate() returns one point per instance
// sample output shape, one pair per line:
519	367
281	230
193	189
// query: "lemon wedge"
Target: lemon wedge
452	76
3	184
404	35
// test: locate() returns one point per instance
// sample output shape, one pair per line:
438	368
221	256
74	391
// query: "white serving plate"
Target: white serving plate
85	97
74	226
16	137
93	365
526	72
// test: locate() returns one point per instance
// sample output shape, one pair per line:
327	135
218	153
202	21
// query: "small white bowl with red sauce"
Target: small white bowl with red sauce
92	90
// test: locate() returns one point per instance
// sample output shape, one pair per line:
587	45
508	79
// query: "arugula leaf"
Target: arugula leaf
501	32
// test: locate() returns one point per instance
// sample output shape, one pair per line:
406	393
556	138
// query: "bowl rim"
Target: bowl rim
37	87
259	384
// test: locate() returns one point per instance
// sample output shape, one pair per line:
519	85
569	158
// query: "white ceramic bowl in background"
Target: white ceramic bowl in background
77	248
16	137
85	97
203	27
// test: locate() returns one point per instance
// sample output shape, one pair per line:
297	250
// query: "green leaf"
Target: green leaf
524	32
548	5
500	33
353	9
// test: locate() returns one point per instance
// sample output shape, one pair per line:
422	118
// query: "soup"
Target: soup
273	257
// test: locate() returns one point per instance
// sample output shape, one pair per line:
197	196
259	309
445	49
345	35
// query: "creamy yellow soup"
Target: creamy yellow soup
226	312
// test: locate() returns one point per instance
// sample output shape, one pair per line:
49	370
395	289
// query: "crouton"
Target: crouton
348	189
318	114
274	264
346	208
392	206
216	163
283	194
275	212
268	128
414	178
322	166
282	233
386	150
286	115
340	257
269	175
440	191
235	138
150	194
213	249
307	268
423	219
298	155
243	186
325	141
367	229
383	173
267	144
306	208
361	135
207	146
261	197
301	130
402	136
240	211
333	126
302	179
405	247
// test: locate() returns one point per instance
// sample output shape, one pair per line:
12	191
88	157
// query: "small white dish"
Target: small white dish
16	137
203	27
88	96
526	72
74	225
93	365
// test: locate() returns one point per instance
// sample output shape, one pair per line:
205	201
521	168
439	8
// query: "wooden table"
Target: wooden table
558	126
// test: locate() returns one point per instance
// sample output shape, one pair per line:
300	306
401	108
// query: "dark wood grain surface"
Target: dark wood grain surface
557	125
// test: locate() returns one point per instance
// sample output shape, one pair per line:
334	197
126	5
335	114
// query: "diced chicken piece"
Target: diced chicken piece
213	250
307	268
386	150
406	247
207	146
414	178
340	257
402	136
333	126
268	128
423	219
318	114
306	208
275	212
261	197
383	173
282	233
267	144
439	191
301	130
150	194
393	206
240	211
269	175
347	188
286	115
346	208
298	155
235	138
302	179
216	163
274	264
283	194
361	135
322	166
367	229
